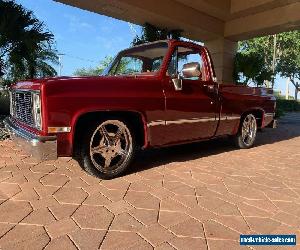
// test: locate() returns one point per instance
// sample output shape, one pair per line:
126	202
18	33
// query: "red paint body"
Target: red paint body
153	97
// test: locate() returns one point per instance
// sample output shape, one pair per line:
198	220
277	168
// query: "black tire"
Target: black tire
90	161
245	138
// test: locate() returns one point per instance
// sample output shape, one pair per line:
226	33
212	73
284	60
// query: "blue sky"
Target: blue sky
86	38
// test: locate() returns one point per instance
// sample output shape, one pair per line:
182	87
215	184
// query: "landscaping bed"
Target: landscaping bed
3	132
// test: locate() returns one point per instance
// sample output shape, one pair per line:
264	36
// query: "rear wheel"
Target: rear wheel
108	148
247	132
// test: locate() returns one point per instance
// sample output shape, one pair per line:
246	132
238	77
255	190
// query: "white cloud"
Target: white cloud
111	45
75	24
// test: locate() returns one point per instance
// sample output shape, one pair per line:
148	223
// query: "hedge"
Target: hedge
286	106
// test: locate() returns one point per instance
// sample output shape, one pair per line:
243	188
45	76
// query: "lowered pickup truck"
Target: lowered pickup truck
153	95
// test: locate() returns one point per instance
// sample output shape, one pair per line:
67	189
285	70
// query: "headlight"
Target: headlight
37	110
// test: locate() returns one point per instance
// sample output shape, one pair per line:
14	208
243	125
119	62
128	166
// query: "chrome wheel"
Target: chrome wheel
249	129
111	146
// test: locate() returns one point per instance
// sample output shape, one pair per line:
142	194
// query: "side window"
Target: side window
183	56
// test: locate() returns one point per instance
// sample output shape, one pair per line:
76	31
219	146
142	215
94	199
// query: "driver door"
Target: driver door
191	111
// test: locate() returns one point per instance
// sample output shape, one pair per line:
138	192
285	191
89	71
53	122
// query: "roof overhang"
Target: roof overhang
203	19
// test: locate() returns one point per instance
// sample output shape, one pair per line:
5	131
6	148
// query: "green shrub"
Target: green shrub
279	112
286	106
4	103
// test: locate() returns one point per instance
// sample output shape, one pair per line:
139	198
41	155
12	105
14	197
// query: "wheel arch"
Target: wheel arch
135	119
257	112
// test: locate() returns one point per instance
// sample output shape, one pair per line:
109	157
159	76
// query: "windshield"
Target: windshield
138	60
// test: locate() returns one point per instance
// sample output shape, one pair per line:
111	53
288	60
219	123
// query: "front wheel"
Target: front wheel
247	132
108	148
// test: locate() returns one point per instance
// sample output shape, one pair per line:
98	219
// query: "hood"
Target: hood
35	84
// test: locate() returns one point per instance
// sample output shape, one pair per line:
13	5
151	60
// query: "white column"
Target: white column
223	52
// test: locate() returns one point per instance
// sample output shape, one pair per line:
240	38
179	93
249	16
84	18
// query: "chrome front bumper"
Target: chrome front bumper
40	147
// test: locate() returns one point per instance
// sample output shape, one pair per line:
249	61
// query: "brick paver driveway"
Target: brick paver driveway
200	196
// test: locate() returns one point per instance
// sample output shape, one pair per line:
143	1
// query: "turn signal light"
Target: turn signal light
59	129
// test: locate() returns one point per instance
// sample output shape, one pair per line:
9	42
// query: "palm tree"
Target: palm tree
151	33
36	65
26	47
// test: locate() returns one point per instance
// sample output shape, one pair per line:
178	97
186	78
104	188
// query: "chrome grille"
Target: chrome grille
22	106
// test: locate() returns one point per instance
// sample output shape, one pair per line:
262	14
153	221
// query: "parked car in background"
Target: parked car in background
153	95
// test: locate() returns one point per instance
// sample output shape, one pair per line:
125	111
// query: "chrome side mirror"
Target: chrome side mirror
177	82
190	70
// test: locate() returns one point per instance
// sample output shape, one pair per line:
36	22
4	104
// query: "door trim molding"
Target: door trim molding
180	121
191	120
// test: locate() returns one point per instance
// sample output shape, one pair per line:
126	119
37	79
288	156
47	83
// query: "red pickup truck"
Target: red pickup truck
153	95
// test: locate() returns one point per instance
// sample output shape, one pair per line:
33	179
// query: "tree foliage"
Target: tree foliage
250	67
94	71
26	47
289	63
255	62
151	33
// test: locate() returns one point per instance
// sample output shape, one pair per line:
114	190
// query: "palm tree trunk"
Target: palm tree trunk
297	86
274	59
31	68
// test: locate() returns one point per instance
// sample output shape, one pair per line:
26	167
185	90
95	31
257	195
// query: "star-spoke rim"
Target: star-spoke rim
249	129
110	146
